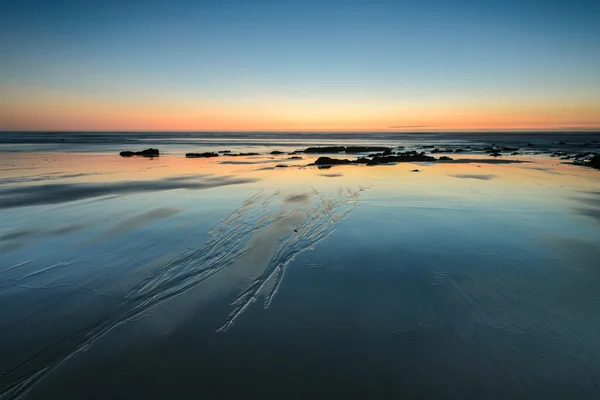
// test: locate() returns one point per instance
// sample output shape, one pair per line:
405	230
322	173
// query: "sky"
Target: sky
228	65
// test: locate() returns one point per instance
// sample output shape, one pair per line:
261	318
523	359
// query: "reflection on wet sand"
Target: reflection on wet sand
266	232
92	244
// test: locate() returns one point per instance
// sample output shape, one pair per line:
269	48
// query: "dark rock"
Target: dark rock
224	151
592	162
324	166
401	157
415	170
515	153
459	150
143	153
295	158
241	154
331	161
561	142
328	149
495	154
201	155
530	144
428	147
276	152
445	158
510	148
281	166
348	149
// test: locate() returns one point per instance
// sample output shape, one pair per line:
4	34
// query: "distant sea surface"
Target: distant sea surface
180	142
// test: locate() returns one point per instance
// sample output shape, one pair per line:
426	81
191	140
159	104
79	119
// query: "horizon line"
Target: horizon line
145	130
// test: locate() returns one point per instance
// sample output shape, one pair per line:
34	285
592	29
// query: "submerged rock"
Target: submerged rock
415	170
201	155
495	154
144	153
224	151
295	158
276	152
445	158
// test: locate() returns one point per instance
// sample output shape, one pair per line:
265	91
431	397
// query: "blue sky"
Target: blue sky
254	56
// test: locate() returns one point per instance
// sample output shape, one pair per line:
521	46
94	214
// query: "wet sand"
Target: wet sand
165	277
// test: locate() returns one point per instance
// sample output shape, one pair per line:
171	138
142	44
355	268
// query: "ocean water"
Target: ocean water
265	277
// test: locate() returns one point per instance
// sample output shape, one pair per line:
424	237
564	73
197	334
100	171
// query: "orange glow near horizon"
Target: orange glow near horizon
37	110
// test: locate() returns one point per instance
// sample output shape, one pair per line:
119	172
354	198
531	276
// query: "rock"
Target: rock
459	150
224	151
561	142
401	157
348	149
445	158
495	154
281	166
201	155
241	154
530	144
328	149
428	147
295	158
276	152
409	156
332	161
515	153
143	153
510	148
592	162
414	170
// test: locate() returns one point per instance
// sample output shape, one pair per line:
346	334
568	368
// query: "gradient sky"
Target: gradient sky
299	65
